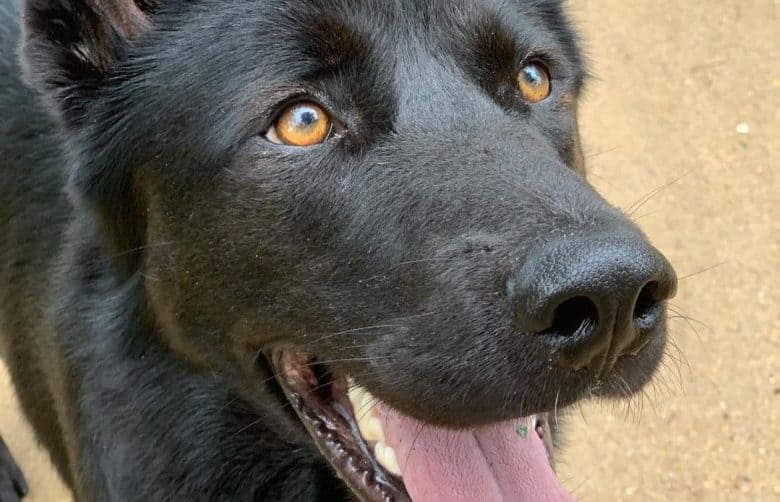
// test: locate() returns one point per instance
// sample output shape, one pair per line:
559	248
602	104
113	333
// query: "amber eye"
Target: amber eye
534	82
302	124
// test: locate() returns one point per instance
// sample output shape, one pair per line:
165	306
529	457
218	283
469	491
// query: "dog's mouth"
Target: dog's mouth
384	455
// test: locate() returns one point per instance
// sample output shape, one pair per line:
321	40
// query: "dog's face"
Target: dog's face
376	202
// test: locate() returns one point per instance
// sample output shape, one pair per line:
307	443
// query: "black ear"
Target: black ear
71	49
71	45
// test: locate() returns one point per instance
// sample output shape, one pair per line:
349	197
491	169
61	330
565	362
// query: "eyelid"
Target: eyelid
555	65
275	111
288	99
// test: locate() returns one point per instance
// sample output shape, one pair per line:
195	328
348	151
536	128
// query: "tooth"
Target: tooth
385	455
362	401
359	397
363	406
371	428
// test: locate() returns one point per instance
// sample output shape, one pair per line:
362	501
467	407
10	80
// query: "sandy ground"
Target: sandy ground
686	97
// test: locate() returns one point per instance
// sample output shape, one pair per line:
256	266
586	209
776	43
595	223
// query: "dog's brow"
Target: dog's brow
343	56
495	43
333	42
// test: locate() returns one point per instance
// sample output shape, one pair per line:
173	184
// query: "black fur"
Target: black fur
134	310
13	486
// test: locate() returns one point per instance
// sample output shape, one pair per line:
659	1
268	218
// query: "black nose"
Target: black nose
593	298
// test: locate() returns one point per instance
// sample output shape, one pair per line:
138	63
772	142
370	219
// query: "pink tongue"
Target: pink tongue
491	464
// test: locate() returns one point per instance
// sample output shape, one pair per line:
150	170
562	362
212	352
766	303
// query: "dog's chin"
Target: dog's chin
384	455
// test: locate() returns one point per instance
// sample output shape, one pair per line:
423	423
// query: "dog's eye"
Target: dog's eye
302	124
534	82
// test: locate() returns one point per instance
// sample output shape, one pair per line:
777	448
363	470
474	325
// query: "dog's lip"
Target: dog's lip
326	414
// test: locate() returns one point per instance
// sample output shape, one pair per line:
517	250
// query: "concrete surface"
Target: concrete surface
687	94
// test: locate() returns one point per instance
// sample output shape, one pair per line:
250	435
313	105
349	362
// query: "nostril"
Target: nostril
575	315
647	304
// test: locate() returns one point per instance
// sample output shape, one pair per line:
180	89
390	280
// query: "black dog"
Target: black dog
228	225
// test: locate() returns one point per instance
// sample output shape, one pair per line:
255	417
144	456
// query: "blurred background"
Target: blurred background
681	127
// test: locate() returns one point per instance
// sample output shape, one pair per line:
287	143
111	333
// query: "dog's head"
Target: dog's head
380	203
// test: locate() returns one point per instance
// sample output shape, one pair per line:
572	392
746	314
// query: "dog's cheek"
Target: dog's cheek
221	268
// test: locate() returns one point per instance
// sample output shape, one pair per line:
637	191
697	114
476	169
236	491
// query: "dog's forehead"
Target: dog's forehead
413	37
427	52
398	21
273	41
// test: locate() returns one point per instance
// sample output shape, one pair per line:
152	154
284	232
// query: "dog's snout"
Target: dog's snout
593	298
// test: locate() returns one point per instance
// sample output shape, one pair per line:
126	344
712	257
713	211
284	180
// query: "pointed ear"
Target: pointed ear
70	46
70	50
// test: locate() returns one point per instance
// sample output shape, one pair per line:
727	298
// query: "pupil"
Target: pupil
532	75
306	117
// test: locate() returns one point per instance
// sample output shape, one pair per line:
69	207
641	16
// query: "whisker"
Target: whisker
349	360
367	408
406	263
387	324
603	152
653	193
350	332
141	248
591	174
669	372
645	215
416	437
688	320
683	359
654	399
679	361
708	269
